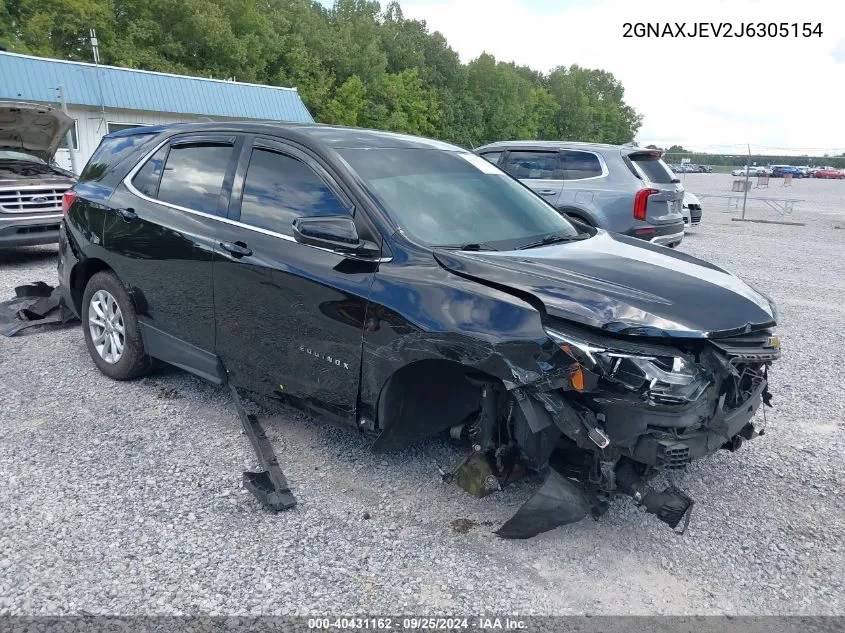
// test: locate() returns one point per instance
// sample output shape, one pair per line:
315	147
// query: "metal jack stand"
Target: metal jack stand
268	486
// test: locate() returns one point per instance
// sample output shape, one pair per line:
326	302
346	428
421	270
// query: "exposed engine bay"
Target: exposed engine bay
620	413
17	169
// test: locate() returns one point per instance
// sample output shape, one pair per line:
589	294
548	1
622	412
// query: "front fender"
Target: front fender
425	313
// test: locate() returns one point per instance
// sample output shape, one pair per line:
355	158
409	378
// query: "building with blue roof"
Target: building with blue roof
104	99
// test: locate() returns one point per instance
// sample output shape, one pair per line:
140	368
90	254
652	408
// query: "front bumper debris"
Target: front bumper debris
559	501
594	438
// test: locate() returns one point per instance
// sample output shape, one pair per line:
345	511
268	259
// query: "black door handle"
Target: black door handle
238	249
127	214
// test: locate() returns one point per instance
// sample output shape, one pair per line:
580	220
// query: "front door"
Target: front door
289	316
538	170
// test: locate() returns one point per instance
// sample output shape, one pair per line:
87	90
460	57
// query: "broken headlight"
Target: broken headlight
657	376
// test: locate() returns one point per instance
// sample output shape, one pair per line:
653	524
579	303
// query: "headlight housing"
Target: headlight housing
657	377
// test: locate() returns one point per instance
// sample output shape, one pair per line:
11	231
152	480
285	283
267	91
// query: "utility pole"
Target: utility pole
95	49
745	192
69	133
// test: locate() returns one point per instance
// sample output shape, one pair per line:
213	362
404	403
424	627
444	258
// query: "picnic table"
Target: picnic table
781	206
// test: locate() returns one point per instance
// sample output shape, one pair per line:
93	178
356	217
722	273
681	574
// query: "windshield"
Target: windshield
448	198
11	154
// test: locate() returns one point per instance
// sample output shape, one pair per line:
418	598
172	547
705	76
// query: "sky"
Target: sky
712	93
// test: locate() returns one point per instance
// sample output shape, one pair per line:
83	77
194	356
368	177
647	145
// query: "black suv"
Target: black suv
406	286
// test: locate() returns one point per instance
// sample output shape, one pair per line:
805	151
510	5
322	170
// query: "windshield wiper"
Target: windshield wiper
472	246
478	247
552	239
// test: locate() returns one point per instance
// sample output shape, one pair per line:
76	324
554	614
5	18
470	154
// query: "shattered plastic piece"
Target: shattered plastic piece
558	502
34	304
670	506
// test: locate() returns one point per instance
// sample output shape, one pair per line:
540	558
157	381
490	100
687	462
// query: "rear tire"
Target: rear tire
111	329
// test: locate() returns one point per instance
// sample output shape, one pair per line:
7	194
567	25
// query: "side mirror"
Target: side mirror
337	233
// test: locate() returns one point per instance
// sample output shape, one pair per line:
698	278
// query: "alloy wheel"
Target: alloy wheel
105	322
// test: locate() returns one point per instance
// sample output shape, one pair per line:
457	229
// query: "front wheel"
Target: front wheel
111	329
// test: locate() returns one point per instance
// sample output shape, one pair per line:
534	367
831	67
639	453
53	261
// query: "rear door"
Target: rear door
289	316
665	206
160	232
539	170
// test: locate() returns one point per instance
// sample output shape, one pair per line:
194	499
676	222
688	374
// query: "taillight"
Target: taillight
67	200
641	202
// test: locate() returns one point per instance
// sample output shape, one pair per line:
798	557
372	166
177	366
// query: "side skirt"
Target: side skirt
177	352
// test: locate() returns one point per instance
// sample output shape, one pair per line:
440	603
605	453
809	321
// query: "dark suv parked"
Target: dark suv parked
405	286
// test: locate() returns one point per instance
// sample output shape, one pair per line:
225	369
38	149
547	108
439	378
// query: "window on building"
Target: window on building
580	165
73	138
193	176
147	179
117	127
532	165
279	189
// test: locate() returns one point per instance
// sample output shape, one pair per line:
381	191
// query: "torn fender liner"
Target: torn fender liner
558	502
34	304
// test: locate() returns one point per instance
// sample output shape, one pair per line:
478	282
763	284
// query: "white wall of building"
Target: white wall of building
92	125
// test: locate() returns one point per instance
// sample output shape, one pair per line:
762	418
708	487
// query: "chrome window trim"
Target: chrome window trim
604	170
127	181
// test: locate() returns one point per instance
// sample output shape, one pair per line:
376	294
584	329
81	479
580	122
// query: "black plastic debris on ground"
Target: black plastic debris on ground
34	304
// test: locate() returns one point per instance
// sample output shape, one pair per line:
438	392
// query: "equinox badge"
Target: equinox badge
317	354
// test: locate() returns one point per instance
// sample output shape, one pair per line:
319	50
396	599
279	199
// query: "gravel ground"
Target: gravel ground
124	498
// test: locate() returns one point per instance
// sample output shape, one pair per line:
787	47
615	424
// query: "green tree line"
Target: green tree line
354	64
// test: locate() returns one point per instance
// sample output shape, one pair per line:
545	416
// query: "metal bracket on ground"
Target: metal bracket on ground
269	486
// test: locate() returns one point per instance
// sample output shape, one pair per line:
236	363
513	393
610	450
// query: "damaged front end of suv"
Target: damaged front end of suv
628	411
621	384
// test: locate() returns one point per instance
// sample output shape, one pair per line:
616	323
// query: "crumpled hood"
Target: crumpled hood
623	285
33	127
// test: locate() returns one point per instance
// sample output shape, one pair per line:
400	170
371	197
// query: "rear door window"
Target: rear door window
654	168
532	165
580	165
492	157
193	176
279	188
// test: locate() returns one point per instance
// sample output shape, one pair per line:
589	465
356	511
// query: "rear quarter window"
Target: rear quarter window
580	165
103	165
654	168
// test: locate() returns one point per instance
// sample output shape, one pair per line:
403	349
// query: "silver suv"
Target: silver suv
31	185
623	189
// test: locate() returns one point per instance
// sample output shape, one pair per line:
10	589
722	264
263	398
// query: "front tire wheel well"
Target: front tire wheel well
424	398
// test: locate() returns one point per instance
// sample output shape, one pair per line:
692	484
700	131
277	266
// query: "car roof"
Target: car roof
334	137
555	145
